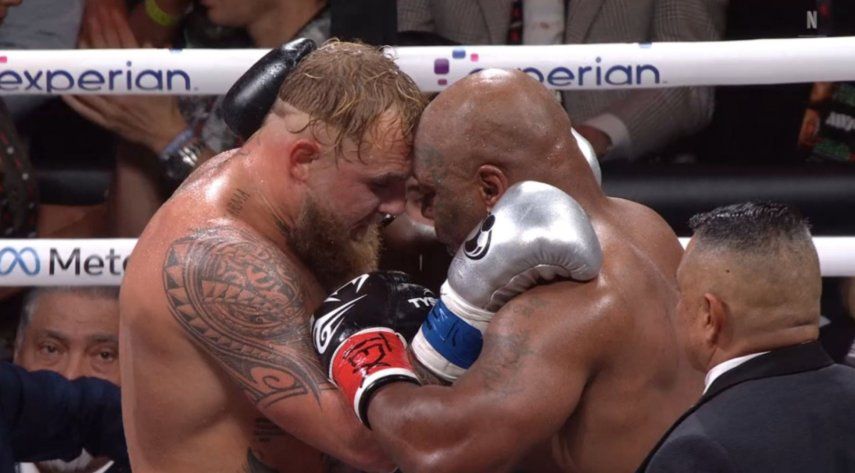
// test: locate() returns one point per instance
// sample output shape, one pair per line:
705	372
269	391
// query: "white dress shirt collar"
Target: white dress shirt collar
726	366
32	468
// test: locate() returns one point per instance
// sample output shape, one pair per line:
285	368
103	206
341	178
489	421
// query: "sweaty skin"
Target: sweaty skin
218	369
590	371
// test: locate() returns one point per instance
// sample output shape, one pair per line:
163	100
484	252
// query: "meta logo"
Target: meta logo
562	76
92	265
91	80
11	258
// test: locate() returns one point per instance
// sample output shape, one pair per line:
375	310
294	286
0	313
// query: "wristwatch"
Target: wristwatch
180	157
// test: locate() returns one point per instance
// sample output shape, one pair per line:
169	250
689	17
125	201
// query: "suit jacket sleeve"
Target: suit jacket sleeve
50	417
696	453
654	117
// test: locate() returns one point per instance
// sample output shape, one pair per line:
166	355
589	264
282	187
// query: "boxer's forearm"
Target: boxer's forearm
432	428
329	425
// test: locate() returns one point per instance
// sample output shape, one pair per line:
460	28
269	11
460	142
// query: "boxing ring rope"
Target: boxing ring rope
47	262
564	67
101	262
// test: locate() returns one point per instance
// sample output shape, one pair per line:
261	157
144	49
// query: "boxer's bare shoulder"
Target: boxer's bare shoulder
648	231
610	340
213	314
227	286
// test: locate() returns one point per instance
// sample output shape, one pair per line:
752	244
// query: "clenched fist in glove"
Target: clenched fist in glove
361	333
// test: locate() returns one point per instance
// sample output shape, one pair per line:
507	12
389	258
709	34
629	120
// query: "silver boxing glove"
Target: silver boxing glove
534	233
590	155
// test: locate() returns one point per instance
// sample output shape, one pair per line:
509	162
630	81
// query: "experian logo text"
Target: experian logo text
91	80
563	76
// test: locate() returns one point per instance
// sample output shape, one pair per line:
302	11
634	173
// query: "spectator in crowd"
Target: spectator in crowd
169	127
72	331
39	24
44	415
781	123
18	192
749	304
618	123
17	189
4	7
153	22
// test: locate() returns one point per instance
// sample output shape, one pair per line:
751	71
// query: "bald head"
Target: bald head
499	117
485	133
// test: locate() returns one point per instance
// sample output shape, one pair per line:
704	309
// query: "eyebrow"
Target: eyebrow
391	177
54	334
97	338
102	338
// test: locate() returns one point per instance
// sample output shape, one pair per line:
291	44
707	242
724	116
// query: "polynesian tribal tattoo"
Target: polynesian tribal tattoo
237	297
254	465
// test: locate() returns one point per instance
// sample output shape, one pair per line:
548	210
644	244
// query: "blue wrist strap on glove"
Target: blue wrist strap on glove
453	338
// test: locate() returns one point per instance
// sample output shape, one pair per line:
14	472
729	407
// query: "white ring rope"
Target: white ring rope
81	262
565	67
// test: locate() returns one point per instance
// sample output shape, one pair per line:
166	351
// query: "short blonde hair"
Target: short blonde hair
348	86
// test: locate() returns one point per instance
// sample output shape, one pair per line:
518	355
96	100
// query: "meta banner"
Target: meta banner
561	67
102	262
55	262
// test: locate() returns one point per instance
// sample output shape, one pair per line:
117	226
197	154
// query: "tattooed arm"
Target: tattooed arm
240	299
523	387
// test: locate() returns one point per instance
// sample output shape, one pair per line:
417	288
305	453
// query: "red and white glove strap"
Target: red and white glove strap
367	360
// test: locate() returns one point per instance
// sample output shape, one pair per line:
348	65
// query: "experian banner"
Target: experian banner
55	262
642	65
123	71
564	67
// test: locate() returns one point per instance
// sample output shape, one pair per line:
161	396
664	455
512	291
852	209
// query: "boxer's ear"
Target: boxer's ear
303	154
493	183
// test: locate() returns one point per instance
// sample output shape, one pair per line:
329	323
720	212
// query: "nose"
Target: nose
75	367
393	206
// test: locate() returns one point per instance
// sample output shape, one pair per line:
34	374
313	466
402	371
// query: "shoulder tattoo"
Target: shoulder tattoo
237	296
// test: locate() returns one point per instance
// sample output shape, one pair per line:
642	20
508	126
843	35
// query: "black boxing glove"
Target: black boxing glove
249	99
361	329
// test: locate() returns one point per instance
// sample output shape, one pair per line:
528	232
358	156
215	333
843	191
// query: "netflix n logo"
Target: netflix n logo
812	16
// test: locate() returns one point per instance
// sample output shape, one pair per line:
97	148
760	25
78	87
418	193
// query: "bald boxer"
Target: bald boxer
217	365
589	364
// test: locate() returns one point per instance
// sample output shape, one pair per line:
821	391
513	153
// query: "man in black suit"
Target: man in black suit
748	315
